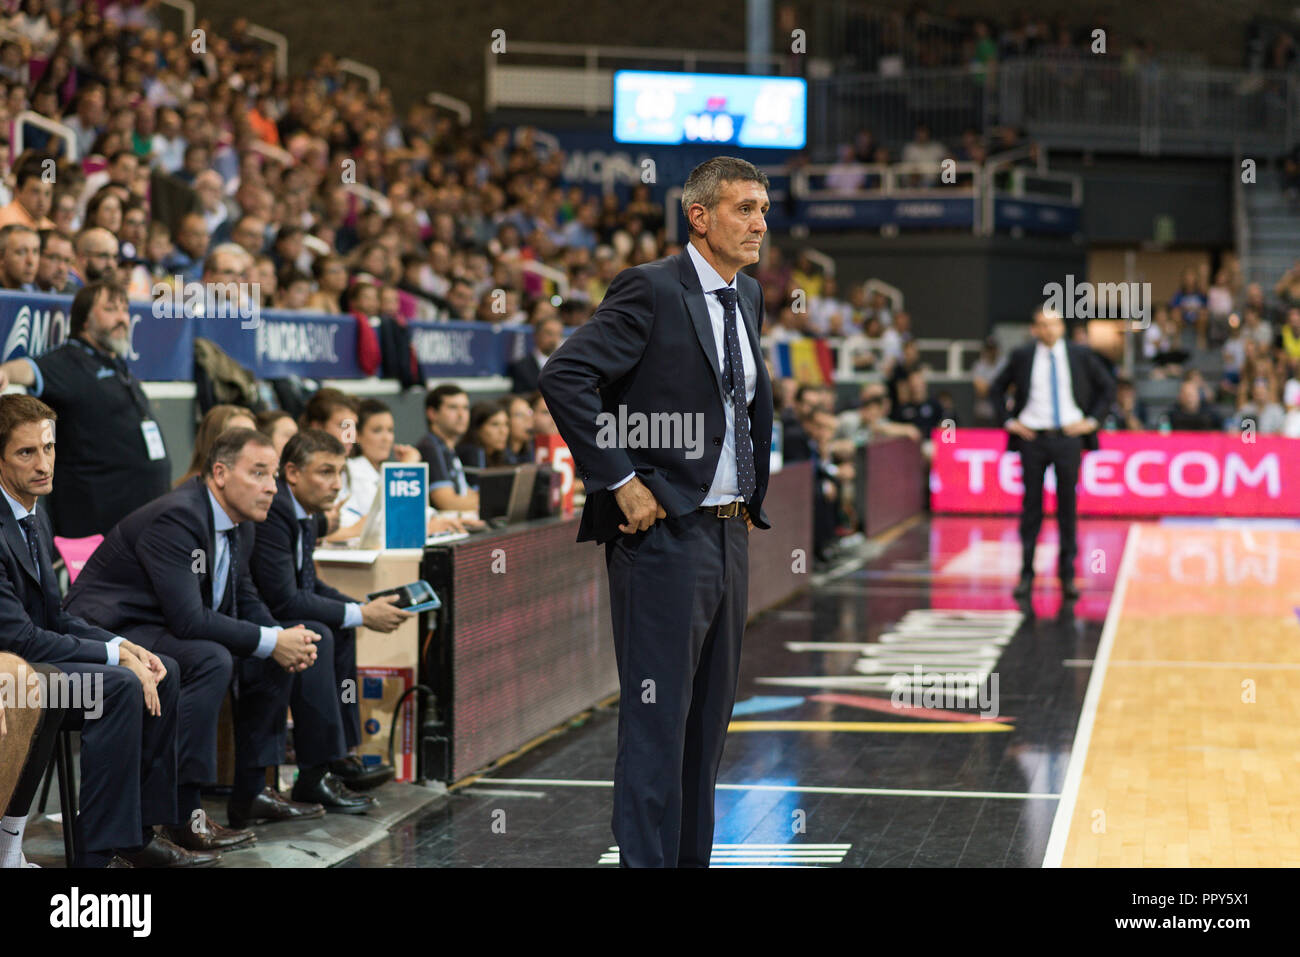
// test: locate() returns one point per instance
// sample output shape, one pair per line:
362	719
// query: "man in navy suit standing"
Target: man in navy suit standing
1062	392
663	399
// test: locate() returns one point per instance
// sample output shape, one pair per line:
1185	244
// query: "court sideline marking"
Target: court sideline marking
803	789
1088	714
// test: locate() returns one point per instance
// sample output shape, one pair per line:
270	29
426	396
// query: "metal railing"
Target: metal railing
371	196
880	179
557	276
574	76
882	40
277	40
1150	108
50	126
953	352
367	73
946	100
459	107
186	9
1076	103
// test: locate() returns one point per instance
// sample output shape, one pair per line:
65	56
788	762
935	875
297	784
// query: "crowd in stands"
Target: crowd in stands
309	186
1235	349
891	42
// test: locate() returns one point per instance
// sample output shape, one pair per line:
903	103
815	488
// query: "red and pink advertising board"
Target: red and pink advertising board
1141	474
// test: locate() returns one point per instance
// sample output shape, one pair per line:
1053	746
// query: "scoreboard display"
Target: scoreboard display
670	109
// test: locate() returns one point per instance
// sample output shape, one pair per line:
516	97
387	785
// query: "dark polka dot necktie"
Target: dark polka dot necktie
733	377
28	522
306	545
232	576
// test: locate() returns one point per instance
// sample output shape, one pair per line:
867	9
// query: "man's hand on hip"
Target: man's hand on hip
1082	427
1016	427
639	506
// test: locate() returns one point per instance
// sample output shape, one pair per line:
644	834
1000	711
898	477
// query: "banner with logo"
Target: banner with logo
279	344
33	324
1133	474
447	350
272	345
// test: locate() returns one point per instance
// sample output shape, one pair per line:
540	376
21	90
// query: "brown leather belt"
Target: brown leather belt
730	510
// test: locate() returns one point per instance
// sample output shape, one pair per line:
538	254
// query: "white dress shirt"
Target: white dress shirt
363	484
724	488
221	523
20	512
352	616
1037	413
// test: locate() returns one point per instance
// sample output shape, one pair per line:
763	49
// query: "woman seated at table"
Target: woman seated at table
373	447
519	446
485	442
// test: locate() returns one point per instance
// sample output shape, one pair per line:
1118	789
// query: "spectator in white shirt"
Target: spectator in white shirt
373	447
924	151
846	176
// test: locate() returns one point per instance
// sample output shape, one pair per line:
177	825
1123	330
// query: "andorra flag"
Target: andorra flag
807	361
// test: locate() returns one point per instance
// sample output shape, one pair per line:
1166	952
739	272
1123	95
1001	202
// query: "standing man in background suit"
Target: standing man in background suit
173	576
679	337
546	339
311	466
1062	392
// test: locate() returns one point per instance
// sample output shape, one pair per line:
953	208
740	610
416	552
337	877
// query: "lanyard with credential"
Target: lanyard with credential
128	381
148	427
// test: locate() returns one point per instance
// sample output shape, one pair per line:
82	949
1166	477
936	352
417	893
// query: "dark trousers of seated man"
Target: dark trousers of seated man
204	671
1063	453
266	691
128	757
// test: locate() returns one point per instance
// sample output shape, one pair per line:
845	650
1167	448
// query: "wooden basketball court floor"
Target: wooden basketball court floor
1188	748
1154	722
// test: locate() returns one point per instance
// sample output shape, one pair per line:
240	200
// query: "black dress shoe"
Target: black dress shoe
334	795
353	772
1069	589
1025	588
161	852
270	805
211	837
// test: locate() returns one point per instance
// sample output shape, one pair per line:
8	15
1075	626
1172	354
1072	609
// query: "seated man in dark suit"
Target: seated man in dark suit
311	467
123	699
173	576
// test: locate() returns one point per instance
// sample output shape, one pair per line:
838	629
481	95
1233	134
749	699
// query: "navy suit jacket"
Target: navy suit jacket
1091	383
149	571
650	347
277	581
523	374
33	624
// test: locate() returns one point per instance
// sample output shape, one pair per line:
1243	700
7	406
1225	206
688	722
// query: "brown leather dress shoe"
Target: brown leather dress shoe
161	852
211	837
270	805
